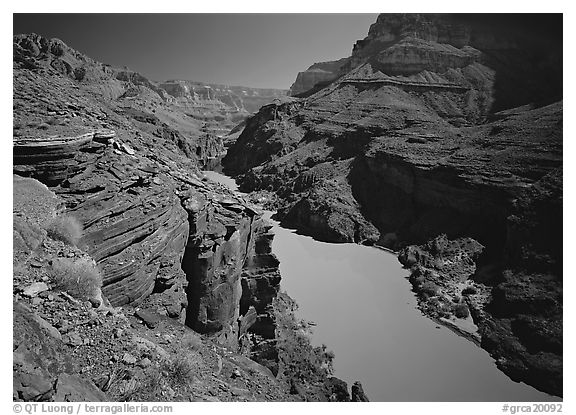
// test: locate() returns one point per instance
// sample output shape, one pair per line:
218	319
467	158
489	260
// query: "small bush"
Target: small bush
153	382
66	229
469	290
296	358
444	313
149	385
80	278
417	280
461	310
178	372
429	288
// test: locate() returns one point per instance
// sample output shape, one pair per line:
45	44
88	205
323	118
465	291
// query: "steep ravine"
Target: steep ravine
498	183
67	348
171	244
365	295
174	251
440	132
239	302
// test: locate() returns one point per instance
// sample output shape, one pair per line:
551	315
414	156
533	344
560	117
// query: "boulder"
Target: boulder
358	394
72	388
34	289
150	319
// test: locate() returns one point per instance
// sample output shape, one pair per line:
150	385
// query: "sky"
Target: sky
255	50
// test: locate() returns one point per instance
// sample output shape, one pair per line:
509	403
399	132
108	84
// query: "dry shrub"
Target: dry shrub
147	387
429	289
66	229
80	278
178	371
175	372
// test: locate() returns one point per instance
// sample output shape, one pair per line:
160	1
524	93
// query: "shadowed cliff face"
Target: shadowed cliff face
525	50
436	125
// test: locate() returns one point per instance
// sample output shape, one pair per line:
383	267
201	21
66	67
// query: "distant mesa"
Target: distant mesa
238	98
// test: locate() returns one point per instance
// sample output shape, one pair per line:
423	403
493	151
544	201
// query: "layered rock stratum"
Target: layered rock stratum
320	74
437	126
188	279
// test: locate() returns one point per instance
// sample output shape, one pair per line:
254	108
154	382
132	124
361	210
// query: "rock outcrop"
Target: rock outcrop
320	74
520	48
194	108
102	158
71	350
358	394
42	371
116	155
438	124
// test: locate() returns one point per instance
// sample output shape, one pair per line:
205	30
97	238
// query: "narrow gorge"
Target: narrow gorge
169	245
389	228
432	138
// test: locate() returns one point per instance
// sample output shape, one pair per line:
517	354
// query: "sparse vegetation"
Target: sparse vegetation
169	374
80	278
178	372
146	387
153	381
65	228
429	289
299	360
417	280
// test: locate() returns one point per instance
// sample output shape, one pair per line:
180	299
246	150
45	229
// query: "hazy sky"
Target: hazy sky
258	50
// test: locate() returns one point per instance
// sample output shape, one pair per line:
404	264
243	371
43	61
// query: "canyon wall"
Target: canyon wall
522	49
239	99
161	235
319	73
118	158
437	125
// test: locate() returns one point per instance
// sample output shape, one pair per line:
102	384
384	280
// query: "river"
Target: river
364	310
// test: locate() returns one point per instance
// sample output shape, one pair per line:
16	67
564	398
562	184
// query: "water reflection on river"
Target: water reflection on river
365	312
